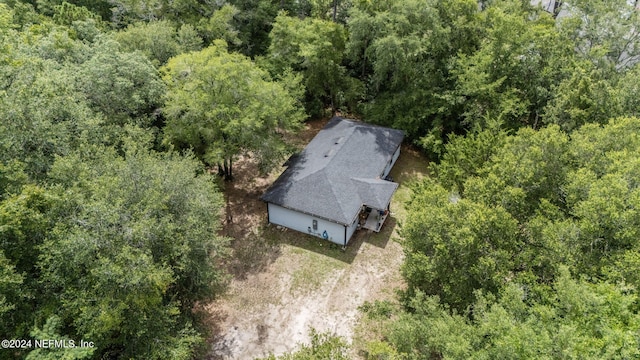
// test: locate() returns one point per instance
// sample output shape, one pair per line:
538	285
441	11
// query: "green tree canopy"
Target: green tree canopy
402	51
538	200
135	248
314	48
124	87
529	252
159	40
604	32
221	104
579	320
511	75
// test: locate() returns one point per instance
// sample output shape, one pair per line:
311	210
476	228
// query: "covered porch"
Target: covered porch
376	195
373	219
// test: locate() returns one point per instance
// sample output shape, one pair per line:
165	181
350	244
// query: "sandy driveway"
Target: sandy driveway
286	282
272	311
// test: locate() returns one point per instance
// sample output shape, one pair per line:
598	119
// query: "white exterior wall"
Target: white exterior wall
302	222
352	228
387	170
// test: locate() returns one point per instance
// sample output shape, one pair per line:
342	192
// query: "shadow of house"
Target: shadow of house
338	176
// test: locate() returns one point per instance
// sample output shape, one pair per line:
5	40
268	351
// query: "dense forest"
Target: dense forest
117	116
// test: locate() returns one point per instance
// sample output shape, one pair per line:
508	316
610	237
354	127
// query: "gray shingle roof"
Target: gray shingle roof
338	172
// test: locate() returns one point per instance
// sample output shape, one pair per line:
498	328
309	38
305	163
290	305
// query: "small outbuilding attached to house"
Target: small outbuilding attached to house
338	183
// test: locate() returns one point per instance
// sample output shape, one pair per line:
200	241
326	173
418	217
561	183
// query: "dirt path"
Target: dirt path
266	314
286	282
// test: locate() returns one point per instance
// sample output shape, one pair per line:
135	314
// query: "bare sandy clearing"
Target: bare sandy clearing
269	312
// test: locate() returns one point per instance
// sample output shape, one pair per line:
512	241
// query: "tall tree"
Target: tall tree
578	320
604	32
221	104
101	8
42	113
537	258
586	95
159	40
134	249
315	48
455	246
124	87
254	21
403	51
512	75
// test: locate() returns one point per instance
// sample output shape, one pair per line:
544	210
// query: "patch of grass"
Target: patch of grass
310	261
410	167
314	270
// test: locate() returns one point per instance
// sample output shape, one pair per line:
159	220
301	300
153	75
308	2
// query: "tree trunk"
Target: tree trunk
364	58
335	9
333	106
557	6
228	170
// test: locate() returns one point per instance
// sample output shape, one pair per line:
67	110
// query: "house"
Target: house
338	182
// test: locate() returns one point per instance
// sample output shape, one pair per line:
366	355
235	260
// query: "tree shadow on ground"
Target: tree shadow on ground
255	245
280	235
381	239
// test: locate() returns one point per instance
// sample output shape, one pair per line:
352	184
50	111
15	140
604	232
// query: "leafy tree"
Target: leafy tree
624	90
465	156
212	19
569	206
135	250
10	295
41	111
59	91
219	25
130	11
512	75
221	104
603	192
51	330
6	19
159	40
102	8
604	32
587	95
430	331
403	53
24	14
254	21
12	178
122	86
455	246
579	320
93	245
315	48
530	167
67	14
26	217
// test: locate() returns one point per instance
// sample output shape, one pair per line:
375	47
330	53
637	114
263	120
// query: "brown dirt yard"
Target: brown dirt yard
285	282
